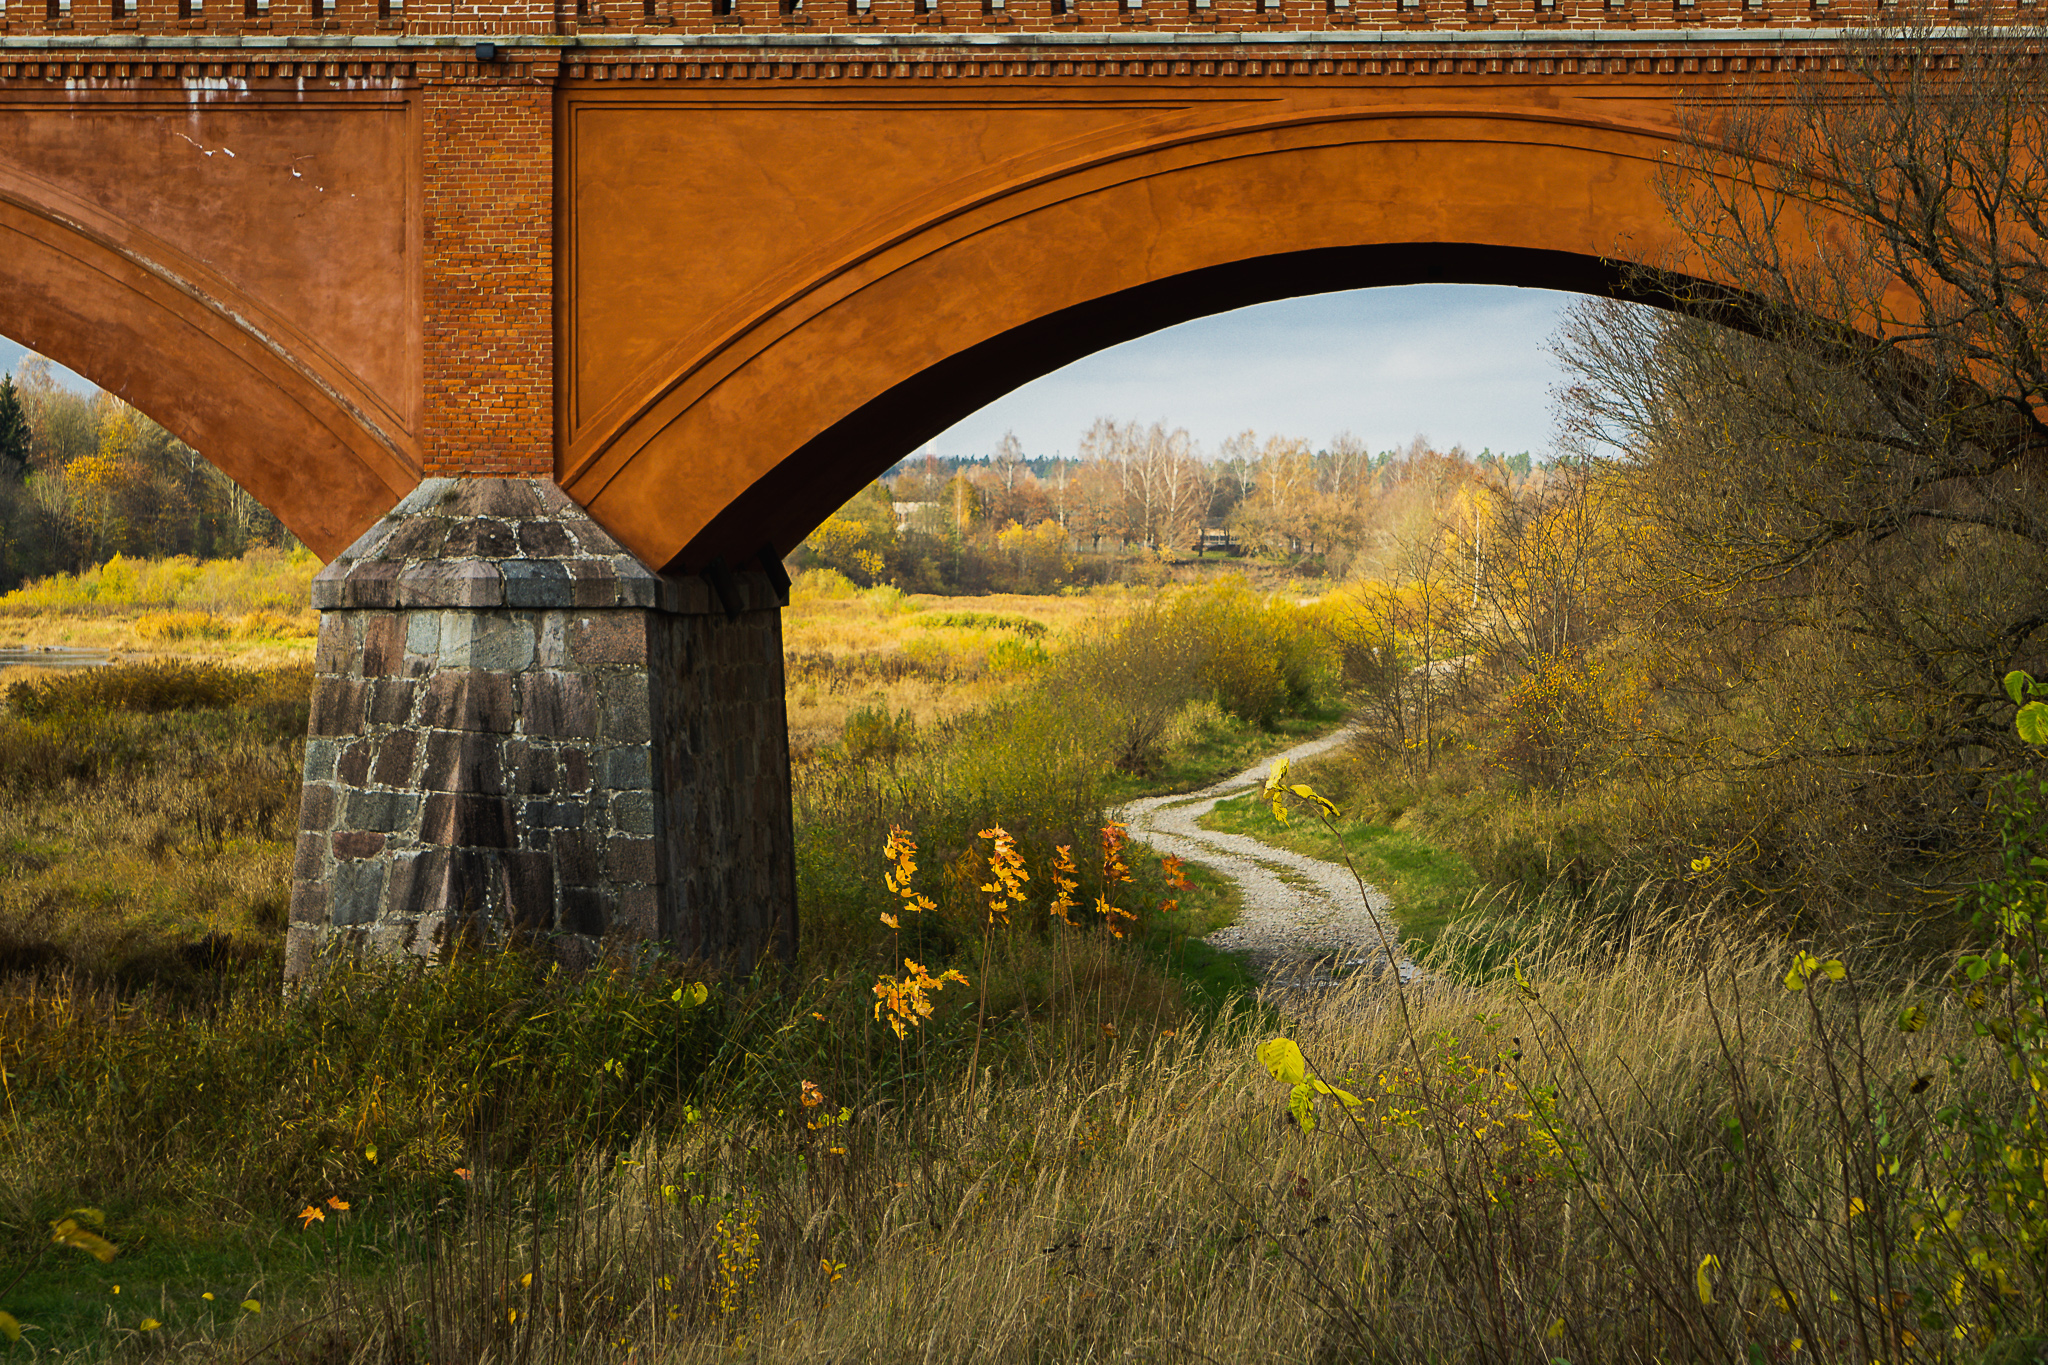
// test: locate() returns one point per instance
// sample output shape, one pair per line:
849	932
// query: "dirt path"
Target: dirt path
1303	920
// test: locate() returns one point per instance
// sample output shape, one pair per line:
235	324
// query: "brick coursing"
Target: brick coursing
595	20
488	215
517	727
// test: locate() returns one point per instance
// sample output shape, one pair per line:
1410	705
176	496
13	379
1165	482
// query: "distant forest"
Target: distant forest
86	477
1136	496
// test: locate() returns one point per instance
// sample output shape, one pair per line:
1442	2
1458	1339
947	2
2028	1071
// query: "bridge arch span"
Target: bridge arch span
756	429
226	375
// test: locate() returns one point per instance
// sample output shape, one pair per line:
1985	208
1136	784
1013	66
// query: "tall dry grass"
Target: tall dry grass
1659	1153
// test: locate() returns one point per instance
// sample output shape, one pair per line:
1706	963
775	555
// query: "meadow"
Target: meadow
1611	1120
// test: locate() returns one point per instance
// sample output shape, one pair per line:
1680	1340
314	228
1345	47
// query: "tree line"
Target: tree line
84	478
1135	495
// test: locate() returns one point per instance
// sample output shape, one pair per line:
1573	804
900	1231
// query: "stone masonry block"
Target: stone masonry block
391	701
529	898
356	843
309	903
510	499
482	538
316	806
384	812
445	583
415	538
462	761
320	760
355	892
495	641
301	946
551	645
639	913
575	769
468	700
423	632
371	584
537	585
383	644
339	637
393	767
467	821
353	767
582	911
577	857
534	770
623	708
630	860
545	540
612	637
557	705
628	767
337	706
309	863
633	813
420	883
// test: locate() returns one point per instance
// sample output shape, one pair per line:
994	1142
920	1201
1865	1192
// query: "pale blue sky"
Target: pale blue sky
1461	364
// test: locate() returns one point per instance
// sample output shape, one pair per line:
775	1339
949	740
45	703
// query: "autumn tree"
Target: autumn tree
1839	456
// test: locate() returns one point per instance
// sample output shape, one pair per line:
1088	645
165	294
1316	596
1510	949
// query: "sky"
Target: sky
1460	364
10	356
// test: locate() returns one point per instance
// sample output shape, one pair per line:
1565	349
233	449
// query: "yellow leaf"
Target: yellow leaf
527	1279
251	1306
1556	1331
9	1328
66	1232
890	920
370	1154
1803	966
1282	1057
1301	1102
1855	1208
337	1203
207	1296
1912	1019
147	1325
1703	1278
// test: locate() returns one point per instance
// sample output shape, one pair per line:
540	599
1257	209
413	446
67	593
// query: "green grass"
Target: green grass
1430	886
1213	752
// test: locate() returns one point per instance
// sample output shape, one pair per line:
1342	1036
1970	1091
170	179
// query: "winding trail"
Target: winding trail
1303	922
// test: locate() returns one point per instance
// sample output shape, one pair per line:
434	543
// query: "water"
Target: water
53	657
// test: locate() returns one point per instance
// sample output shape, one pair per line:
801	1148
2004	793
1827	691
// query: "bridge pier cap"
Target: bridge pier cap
517	728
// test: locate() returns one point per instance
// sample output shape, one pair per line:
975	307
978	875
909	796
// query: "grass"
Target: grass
1539	1166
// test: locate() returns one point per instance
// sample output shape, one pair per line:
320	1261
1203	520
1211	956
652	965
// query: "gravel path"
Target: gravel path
1303	921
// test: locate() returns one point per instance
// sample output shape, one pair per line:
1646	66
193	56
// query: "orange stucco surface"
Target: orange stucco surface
714	286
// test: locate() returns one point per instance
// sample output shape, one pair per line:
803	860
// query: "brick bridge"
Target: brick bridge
554	327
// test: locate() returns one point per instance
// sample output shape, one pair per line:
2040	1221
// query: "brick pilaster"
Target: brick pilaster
488	208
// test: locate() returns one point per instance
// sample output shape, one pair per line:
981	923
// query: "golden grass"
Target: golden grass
1154	1202
930	657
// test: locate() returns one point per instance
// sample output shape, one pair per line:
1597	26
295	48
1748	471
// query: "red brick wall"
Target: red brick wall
488	218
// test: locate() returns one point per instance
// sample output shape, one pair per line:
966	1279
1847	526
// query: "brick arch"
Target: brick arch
168	335
814	387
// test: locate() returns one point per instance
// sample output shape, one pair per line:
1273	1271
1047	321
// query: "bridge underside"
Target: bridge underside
707	282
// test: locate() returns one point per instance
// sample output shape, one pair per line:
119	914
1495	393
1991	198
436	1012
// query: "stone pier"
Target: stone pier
518	727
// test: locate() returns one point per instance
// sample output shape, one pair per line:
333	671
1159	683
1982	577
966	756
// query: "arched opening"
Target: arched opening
783	507
758	420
